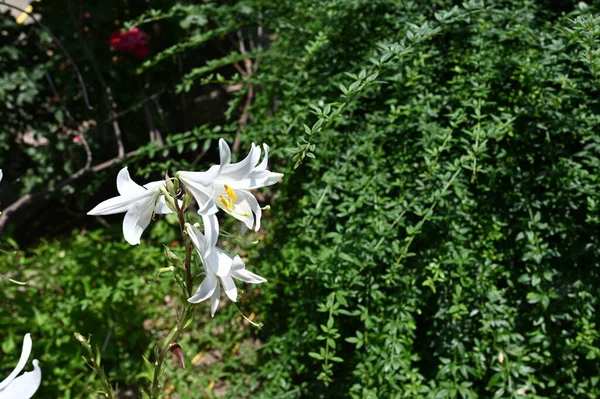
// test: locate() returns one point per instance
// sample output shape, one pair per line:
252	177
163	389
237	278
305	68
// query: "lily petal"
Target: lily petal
197	239
247	276
25	352
237	263
200	184
118	204
214	300
224	153
229	287
137	218
24	386
211	231
265	161
126	186
240	170
222	261
206	289
1	175
273	179
248	205
162	208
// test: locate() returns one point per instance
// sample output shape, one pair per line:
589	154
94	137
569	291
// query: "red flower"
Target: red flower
133	41
115	40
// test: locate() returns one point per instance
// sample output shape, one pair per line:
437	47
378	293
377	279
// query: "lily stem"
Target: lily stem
184	315
94	363
155	389
188	249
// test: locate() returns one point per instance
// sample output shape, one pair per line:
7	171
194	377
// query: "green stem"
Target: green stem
155	389
95	364
188	249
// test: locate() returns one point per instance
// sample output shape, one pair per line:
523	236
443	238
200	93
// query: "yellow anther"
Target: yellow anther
227	203
154	216
230	193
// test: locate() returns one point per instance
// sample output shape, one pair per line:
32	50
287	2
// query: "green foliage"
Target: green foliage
100	286
440	233
85	284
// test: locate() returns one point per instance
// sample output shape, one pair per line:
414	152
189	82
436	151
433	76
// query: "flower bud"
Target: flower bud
178	352
82	340
187	200
169	199
172	186
172	259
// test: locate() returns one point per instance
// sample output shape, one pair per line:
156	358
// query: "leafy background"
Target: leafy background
435	235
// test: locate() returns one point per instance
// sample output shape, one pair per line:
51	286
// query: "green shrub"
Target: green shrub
440	238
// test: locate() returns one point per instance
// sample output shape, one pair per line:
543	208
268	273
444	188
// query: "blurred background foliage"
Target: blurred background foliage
439	237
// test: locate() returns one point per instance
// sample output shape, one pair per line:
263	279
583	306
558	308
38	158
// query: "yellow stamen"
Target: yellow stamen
227	203
231	193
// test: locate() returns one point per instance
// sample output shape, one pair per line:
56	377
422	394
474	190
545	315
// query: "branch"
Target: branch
133	107
30	197
155	136
108	98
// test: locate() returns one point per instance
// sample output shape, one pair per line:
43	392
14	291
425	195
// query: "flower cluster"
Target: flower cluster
25	385
226	186
133	41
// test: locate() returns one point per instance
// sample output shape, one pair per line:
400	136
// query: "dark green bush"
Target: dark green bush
443	242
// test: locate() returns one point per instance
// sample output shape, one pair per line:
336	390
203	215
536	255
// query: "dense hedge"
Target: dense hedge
443	242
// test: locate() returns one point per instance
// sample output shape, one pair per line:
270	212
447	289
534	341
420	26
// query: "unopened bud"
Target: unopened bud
172	259
82	340
187	200
178	352
168	199
170	269
172	185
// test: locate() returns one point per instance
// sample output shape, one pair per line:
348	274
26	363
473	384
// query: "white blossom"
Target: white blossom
25	385
220	269
139	202
227	185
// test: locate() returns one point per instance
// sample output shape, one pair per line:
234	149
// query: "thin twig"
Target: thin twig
55	92
134	107
108	98
30	197
155	136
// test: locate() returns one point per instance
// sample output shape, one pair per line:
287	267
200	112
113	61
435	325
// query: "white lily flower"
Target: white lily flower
219	266
1	174
228	185
139	202
24	386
